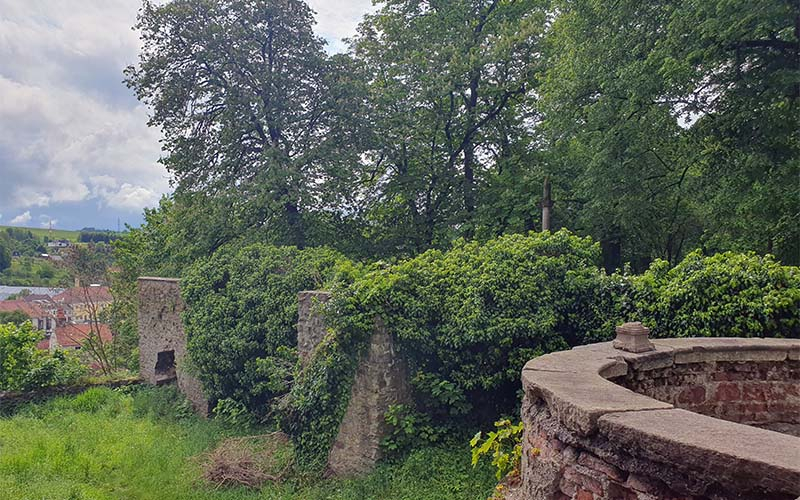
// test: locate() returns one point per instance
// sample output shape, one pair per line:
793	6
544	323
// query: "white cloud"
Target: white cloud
338	20
22	218
70	132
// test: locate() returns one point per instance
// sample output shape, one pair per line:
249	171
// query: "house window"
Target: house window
165	366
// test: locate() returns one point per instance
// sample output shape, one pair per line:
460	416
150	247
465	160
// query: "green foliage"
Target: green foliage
233	414
466	321
319	398
469	318
24	367
724	295
16	317
410	429
504	444
30	271
241	316
5	256
687	137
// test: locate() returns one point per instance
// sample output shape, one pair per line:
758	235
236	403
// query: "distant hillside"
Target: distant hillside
54	234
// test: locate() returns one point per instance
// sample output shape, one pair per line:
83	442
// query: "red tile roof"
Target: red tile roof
73	335
43	345
30	309
78	295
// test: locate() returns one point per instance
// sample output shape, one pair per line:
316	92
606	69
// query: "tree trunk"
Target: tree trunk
547	205
294	220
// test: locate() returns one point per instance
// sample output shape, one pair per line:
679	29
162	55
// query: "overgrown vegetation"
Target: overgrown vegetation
24	367
142	444
662	128
241	319
465	320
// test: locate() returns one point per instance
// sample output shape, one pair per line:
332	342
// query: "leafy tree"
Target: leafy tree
444	77
16	317
252	112
24	367
674	125
5	257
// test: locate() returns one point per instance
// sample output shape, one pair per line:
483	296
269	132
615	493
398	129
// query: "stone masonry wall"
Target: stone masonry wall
161	333
381	380
589	438
753	393
311	327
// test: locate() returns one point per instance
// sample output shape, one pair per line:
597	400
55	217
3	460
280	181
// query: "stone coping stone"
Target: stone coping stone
574	383
756	459
156	278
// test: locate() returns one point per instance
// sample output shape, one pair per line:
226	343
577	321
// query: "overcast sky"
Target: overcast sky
74	145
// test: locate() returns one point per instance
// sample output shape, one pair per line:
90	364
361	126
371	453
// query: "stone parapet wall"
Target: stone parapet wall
589	438
754	393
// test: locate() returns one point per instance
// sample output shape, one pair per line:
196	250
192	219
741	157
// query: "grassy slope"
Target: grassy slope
104	444
30	271
55	234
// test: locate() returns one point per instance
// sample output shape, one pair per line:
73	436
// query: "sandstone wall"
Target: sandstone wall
381	381
311	327
162	340
589	438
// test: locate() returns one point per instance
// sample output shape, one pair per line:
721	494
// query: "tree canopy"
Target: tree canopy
662	126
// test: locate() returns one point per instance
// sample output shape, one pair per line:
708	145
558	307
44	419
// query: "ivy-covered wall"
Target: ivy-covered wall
464	320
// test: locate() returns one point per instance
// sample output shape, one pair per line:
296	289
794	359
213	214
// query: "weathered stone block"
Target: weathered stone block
162	340
311	328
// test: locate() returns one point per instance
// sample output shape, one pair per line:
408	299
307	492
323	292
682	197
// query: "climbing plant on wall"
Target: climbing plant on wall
241	315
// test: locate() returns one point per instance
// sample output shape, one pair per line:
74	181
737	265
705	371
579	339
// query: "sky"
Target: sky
75	149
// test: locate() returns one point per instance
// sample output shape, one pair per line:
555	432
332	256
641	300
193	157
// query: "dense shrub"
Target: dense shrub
466	320
24	367
724	295
241	316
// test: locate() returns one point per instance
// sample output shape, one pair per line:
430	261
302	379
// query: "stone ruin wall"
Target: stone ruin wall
381	381
661	435
162	340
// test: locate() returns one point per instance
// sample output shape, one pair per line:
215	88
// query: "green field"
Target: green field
54	234
30	271
115	444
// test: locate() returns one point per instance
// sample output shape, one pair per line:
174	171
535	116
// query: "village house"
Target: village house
80	304
39	316
71	336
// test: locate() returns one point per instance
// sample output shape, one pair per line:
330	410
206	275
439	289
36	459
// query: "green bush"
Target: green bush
241	315
24	367
724	295
466	321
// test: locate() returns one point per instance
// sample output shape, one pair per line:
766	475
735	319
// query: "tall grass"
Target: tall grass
123	444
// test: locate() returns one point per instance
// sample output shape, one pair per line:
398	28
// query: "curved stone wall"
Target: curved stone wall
602	423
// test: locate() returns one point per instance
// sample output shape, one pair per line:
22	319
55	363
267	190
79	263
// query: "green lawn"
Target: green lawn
112	444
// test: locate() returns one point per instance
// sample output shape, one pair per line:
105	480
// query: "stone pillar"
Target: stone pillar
381	380
633	337
162	340
311	327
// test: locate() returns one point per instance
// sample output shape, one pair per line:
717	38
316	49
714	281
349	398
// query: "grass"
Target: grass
140	444
55	234
30	271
